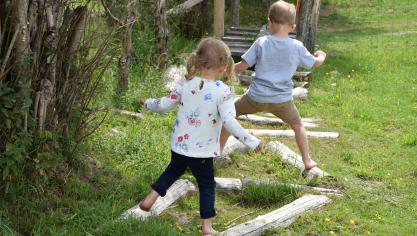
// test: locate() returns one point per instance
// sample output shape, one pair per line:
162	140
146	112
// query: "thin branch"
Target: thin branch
9	50
110	14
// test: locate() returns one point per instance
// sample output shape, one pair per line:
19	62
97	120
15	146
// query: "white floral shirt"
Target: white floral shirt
204	106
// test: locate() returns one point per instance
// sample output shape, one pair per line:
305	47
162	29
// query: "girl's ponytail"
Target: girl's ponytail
192	66
230	71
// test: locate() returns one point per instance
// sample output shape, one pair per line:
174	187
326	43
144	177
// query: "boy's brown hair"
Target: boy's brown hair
282	12
211	53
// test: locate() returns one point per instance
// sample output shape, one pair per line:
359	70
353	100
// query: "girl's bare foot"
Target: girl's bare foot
309	164
148	202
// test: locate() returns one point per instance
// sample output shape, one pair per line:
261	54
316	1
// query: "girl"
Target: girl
205	104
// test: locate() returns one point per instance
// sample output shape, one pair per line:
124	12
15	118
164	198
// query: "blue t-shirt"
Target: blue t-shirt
276	62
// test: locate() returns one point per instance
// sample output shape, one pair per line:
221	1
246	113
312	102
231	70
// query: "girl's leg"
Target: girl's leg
173	171
203	171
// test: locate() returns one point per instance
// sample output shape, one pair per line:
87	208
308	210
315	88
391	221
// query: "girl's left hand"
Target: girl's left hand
142	102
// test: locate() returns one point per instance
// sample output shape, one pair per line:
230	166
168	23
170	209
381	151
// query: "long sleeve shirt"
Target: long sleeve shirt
204	106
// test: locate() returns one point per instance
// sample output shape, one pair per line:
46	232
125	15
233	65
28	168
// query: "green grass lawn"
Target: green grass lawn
366	91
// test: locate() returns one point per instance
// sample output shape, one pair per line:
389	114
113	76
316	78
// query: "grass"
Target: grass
366	91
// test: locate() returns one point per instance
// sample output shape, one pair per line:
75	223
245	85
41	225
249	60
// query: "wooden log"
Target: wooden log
233	145
183	7
303	76
290	157
260	120
300	93
238	39
281	217
130	113
290	133
242	33
235	13
228	184
219	18
305	119
323	191
180	188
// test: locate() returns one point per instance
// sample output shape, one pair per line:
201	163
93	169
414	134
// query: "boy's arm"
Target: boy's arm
241	66
163	104
320	56
227	113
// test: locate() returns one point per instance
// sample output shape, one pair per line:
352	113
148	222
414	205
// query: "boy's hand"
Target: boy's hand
320	53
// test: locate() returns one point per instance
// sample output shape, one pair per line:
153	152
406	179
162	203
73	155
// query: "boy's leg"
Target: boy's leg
243	105
203	171
173	171
288	112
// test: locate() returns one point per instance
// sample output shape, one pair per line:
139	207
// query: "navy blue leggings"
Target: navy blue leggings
203	171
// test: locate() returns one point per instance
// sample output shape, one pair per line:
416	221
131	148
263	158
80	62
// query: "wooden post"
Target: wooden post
162	48
307	20
235	13
218	18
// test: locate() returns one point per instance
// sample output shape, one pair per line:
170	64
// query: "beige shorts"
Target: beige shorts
286	110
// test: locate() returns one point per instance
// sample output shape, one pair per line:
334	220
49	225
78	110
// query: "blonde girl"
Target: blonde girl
205	105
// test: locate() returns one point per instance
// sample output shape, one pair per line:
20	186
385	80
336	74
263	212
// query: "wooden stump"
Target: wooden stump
281	217
290	157
180	188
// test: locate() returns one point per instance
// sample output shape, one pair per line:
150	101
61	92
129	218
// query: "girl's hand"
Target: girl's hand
259	148
142	102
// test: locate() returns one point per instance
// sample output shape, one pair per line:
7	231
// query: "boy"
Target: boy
277	57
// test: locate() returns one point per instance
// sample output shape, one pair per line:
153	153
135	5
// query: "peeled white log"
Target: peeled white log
323	191
290	133
260	120
300	93
180	188
279	218
183	7
306	119
292	158
228	184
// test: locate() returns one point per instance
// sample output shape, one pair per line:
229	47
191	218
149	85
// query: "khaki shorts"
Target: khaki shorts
286	110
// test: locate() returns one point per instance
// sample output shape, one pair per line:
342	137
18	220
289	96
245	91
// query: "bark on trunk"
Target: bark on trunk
162	35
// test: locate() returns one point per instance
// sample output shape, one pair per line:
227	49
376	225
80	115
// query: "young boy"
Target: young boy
277	57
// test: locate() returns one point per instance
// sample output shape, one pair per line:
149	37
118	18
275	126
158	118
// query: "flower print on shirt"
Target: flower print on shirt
218	83
193	118
208	97
181	142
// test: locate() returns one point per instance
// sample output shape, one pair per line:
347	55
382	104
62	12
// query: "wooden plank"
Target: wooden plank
281	217
238	39
323	191
290	157
255	30
228	184
260	120
179	189
242	33
290	133
238	44
219	18
183	7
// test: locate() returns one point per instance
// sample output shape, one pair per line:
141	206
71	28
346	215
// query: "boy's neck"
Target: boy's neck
280	31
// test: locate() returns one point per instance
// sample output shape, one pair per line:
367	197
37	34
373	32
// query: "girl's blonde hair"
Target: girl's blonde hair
211	53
